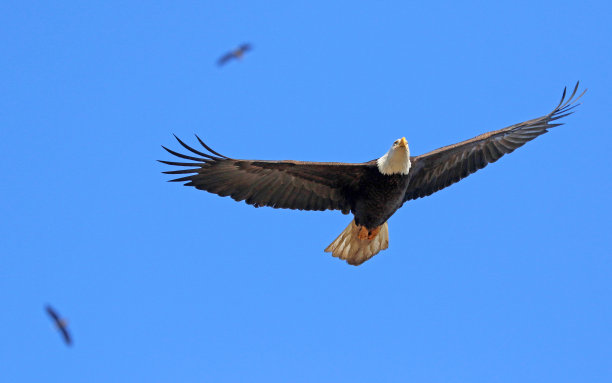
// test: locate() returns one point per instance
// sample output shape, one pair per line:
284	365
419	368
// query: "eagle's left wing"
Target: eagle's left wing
445	166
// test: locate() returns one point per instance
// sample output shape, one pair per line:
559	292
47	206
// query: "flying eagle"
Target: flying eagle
235	54
372	191
60	323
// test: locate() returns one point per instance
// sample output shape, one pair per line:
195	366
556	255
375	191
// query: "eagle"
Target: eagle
60	323
235	54
372	191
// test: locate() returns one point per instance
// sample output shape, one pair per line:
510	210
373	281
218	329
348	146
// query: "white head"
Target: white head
396	160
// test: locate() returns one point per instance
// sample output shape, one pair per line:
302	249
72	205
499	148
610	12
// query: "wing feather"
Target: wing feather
278	184
52	313
445	166
225	58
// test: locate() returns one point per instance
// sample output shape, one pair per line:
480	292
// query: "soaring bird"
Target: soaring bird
373	191
235	54
60	323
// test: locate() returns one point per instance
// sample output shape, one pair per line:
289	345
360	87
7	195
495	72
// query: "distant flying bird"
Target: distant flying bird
60	323
235	54
372	190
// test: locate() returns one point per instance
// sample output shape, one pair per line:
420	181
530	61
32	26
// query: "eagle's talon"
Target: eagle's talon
363	233
373	233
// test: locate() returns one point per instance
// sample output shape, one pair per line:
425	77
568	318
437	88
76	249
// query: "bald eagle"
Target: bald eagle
373	191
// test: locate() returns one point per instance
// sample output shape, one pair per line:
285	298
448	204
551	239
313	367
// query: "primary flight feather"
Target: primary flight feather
372	191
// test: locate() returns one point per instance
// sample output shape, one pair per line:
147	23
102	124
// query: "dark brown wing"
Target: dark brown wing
65	334
60	323
445	166
278	184
225	58
53	314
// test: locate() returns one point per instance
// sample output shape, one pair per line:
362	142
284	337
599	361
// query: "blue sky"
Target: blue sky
503	277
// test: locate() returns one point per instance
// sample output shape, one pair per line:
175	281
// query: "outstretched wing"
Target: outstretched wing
245	47
65	334
278	184
53	314
225	58
445	166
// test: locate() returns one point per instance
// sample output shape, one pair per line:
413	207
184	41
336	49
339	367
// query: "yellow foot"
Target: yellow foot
373	233
364	233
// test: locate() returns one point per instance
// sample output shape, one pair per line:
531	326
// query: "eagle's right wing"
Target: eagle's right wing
278	184
225	58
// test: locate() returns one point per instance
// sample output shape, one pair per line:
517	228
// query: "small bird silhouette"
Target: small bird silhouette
235	54
61	324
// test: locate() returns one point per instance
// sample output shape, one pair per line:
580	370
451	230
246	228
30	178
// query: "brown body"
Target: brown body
377	197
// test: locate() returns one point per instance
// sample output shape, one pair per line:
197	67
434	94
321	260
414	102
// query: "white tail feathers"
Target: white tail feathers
355	251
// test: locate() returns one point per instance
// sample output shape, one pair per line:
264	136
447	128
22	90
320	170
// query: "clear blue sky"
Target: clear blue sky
503	277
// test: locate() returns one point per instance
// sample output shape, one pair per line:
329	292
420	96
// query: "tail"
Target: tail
356	251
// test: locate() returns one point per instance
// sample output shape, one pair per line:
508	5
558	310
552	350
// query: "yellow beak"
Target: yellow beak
403	142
